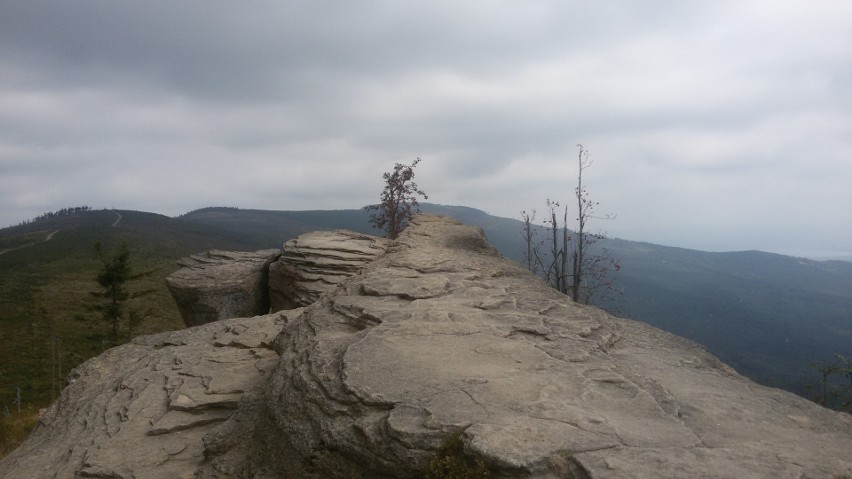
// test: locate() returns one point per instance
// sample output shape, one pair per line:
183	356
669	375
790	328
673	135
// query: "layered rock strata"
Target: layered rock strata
439	338
142	410
315	263
443	336
222	284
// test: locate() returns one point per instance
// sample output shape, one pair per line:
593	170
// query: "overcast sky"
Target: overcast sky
715	125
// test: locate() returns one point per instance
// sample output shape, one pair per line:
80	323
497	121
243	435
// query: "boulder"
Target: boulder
219	285
439	342
443	338
142	410
315	263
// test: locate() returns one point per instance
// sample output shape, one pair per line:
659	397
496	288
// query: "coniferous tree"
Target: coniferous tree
115	272
114	276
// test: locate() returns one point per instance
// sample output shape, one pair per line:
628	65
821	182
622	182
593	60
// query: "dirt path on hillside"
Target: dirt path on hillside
45	240
50	235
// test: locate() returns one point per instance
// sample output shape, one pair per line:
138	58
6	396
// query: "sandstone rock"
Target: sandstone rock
222	284
439	337
314	263
142	409
442	335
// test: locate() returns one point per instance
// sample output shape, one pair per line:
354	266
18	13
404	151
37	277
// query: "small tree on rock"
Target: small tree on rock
528	232
398	201
590	271
573	270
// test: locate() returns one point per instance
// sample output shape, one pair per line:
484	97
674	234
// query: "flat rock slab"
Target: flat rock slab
443	336
142	410
315	263
220	285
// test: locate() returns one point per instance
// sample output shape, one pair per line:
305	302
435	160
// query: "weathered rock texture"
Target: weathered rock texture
443	335
315	263
222	284
141	410
438	337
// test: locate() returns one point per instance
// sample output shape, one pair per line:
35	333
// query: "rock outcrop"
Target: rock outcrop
443	335
142	410
222	284
315	263
439	338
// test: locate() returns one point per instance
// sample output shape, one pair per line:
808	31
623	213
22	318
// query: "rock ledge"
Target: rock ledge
438	337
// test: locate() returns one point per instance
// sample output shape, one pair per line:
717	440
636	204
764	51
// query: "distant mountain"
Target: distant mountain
767	315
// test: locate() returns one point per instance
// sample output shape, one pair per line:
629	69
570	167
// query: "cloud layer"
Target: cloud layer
713	125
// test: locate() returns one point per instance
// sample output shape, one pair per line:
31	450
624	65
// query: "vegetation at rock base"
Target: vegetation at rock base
46	328
15	426
450	462
398	201
835	385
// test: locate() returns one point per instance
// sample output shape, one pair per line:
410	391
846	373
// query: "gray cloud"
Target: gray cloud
722	125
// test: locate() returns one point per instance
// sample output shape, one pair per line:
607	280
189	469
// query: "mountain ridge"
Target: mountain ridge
438	338
768	315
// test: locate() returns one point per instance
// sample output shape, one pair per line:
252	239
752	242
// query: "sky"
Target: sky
723	125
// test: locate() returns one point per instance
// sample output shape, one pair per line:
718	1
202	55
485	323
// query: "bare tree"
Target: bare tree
587	267
590	275
18	402
528	232
556	273
398	201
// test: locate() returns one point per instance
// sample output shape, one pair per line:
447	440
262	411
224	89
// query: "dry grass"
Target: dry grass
14	428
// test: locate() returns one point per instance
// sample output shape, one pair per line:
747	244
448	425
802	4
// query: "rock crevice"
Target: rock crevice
314	263
220	285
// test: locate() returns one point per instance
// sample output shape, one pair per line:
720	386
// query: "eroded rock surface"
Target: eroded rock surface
440	336
315	263
141	410
443	335
222	284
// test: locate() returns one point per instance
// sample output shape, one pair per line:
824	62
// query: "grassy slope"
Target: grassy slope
45	285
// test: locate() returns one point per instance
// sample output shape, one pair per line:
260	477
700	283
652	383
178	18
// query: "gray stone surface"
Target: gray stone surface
440	336
315	263
141	410
222	284
443	335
